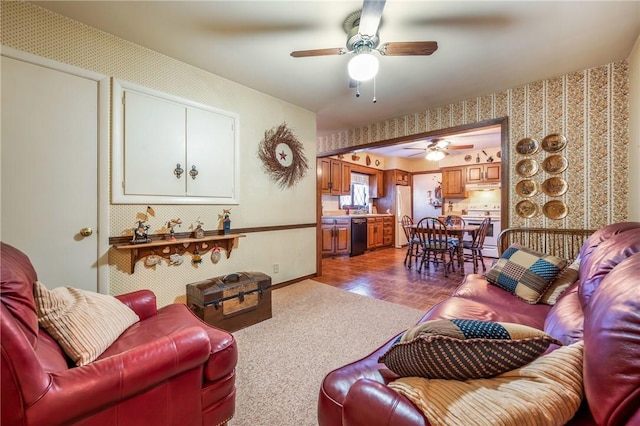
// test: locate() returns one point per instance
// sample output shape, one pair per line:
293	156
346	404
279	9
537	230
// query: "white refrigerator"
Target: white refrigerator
403	207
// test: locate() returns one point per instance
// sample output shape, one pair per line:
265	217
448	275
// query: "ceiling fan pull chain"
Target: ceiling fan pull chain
357	89
374	90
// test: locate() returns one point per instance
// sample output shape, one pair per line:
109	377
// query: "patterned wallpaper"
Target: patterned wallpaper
590	108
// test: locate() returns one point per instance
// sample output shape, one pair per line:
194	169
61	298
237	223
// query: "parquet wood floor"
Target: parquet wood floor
381	274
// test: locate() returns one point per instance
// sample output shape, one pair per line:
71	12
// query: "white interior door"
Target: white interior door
49	175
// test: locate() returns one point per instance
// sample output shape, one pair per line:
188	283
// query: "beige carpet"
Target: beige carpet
315	328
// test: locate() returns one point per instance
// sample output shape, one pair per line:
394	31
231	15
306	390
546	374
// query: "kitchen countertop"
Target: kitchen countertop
344	216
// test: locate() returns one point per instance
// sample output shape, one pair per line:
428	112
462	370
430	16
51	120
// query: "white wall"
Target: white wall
634	133
422	184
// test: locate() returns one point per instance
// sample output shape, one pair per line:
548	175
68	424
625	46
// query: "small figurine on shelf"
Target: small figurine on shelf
226	221
198	232
172	224
140	235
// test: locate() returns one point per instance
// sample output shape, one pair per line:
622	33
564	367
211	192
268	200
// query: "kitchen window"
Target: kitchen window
359	196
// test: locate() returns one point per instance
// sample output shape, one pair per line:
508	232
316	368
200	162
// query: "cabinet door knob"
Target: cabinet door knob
178	171
193	172
86	232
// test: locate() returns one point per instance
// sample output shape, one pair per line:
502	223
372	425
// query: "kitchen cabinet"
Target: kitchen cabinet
345	180
387	230
483	173
453	181
375	232
172	150
376	185
402	177
335	176
336	236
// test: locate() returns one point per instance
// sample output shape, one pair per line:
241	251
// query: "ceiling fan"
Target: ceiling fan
363	39
437	149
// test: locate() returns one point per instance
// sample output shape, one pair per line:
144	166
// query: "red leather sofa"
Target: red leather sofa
170	368
602	308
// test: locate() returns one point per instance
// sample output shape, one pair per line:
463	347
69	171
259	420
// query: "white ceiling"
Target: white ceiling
483	46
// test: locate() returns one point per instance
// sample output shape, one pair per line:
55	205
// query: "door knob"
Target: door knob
86	232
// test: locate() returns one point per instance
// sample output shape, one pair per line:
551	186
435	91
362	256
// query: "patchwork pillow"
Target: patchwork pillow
563	281
464	349
83	323
525	273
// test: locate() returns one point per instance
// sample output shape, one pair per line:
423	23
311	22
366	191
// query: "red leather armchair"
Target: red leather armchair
170	368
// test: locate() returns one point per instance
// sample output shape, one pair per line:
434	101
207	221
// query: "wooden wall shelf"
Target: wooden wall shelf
166	248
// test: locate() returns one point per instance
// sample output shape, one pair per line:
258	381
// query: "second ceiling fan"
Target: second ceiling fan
363	41
437	149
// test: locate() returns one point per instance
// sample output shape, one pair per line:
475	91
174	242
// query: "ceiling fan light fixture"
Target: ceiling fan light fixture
435	155
364	66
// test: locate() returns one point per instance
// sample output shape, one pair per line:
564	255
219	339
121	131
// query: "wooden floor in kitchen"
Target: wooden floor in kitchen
382	274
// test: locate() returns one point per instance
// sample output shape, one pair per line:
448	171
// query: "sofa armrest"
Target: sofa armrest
80	391
372	403
142	302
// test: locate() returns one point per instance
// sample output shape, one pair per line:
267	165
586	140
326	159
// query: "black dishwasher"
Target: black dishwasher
358	235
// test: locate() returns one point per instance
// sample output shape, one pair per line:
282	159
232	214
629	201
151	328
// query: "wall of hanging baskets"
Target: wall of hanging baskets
529	185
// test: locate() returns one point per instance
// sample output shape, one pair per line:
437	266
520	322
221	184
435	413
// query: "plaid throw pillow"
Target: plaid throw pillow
524	272
462	349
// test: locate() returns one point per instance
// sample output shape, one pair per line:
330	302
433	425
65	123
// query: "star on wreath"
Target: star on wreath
283	156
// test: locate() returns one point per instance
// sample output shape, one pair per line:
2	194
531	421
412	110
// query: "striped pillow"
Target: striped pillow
525	273
464	349
548	391
83	323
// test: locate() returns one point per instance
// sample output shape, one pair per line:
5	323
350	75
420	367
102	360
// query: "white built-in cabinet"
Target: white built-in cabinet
171	150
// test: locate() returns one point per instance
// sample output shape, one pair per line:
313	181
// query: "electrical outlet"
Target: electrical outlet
276	268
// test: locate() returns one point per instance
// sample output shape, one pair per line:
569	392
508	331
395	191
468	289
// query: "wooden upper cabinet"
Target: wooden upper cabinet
483	173
345	180
335	176
402	177
376	185
492	172
453	182
324	166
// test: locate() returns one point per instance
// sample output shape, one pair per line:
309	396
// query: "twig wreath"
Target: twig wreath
282	156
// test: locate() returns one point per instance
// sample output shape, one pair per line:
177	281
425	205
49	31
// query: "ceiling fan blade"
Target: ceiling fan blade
370	17
406	48
459	147
318	52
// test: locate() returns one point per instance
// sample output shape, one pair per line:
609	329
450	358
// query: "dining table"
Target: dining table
456	231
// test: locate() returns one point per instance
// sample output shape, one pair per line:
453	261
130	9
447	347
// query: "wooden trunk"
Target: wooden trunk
233	301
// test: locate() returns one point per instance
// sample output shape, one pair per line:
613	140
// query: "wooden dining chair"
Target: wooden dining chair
454	220
472	250
413	243
434	242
